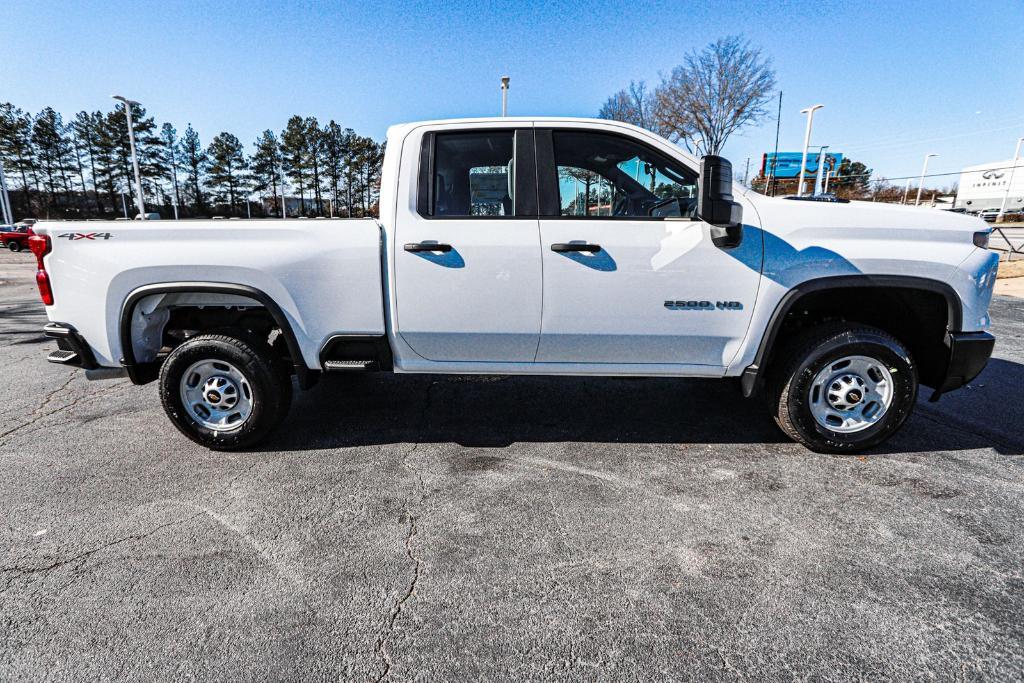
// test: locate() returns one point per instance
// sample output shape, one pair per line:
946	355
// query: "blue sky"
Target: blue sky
898	79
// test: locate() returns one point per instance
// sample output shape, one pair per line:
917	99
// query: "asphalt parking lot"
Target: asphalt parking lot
456	528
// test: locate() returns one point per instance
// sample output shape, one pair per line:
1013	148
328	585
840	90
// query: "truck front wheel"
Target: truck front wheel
224	392
843	388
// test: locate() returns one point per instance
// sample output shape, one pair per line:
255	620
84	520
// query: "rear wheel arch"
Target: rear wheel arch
893	289
141	373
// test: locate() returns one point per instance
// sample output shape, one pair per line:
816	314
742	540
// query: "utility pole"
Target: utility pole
999	216
920	183
775	157
5	199
284	208
746	172
504	95
807	141
135	159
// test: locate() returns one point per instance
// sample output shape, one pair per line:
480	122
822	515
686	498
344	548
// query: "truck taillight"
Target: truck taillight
40	246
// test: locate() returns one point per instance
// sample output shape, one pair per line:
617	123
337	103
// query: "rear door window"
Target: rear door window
474	174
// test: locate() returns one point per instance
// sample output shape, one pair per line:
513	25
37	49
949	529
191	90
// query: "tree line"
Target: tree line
82	167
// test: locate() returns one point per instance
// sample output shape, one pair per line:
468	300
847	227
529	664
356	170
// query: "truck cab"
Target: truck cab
535	246
555	247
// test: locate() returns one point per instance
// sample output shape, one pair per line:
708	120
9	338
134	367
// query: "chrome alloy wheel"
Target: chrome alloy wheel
851	394
216	395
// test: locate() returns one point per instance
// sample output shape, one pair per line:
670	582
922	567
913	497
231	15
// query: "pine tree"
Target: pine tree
335	152
54	151
109	171
368	156
314	152
266	165
227	167
294	151
83	133
169	136
16	149
194	159
349	152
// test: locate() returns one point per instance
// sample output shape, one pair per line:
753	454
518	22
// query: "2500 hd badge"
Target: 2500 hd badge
703	306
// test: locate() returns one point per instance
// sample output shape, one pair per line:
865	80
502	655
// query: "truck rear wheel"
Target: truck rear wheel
14	246
843	388
224	392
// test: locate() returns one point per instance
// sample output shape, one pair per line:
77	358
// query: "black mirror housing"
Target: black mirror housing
715	205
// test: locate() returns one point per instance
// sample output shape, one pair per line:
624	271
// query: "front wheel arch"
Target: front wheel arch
932	360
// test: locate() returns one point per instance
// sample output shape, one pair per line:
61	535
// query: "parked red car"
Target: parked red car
15	237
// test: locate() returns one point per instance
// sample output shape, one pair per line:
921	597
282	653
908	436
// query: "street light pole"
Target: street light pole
818	179
135	160
920	183
504	95
807	141
999	217
5	200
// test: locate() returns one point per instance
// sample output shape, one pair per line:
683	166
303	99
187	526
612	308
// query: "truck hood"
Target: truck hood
789	215
805	240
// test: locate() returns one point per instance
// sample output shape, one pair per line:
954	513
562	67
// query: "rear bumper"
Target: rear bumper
968	354
72	350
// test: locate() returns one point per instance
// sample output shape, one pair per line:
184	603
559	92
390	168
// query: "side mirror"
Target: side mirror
715	205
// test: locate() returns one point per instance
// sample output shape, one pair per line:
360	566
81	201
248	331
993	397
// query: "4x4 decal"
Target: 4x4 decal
72	236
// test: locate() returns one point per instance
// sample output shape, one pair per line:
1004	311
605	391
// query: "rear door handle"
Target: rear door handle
428	246
563	247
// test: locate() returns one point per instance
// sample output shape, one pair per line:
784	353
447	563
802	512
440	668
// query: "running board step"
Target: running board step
63	357
347	365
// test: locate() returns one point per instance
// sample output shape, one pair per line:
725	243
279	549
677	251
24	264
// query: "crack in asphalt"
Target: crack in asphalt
50	396
380	648
17	571
37	414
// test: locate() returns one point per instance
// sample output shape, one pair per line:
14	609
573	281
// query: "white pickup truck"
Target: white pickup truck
535	246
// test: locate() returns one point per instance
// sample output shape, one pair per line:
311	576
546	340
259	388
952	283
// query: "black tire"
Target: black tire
270	384
14	246
789	388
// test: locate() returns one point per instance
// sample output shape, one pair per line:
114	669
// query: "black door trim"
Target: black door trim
526	185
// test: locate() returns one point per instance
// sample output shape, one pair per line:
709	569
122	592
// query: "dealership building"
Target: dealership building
984	186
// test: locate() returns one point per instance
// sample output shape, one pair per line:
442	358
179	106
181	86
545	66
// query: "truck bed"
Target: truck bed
324	274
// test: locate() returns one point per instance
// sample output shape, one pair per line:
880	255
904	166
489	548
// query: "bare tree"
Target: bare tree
714	93
634	104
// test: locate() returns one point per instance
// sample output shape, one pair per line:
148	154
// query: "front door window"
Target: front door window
605	175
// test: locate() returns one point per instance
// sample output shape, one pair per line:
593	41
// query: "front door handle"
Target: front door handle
563	247
428	246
